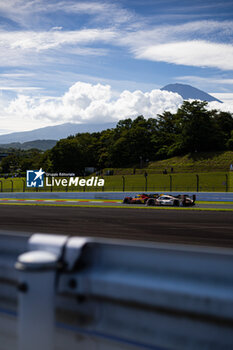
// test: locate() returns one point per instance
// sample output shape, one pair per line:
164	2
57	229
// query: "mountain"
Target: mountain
188	91
56	132
42	145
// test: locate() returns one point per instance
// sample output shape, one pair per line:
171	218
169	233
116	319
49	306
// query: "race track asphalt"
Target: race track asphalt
213	228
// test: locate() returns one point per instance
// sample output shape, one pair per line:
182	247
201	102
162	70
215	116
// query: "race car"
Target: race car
168	200
141	198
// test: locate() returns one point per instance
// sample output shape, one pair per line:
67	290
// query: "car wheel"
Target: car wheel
176	203
150	202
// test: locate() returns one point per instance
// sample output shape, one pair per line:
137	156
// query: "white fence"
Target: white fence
84	294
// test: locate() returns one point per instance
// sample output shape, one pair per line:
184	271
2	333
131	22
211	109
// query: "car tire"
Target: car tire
150	202
176	203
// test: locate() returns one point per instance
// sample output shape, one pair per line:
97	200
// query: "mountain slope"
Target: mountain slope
190	92
56	132
42	145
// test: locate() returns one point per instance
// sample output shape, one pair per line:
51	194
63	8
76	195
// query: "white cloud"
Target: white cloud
148	104
164	43
27	13
226	97
205	80
213	31
198	43
191	53
88	103
19	88
30	48
109	12
224	107
38	41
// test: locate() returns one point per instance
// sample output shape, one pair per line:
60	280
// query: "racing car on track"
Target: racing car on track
176	201
141	198
155	199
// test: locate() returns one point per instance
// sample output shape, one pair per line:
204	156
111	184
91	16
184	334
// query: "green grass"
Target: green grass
199	162
208	182
202	162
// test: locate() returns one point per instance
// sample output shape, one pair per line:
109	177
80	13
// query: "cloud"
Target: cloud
213	31
19	88
91	103
111	13
205	80
38	41
226	97
30	48
56	28
224	107
197	43
27	13
190	53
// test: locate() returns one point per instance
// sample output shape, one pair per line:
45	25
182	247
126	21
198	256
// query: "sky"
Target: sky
101	61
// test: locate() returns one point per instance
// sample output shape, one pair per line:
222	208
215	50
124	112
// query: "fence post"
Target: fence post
226	183
123	180
23	185
12	185
1	184
197	182
36	269
146	183
170	183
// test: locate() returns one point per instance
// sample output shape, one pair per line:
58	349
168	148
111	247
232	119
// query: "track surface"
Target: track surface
105	203
174	226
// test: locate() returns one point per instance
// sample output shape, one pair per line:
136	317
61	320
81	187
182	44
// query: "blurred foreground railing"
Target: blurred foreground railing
80	293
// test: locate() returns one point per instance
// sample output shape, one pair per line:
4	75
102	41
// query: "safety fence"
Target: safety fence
59	292
203	182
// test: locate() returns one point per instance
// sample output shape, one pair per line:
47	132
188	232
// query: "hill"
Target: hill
56	132
196	162
42	145
201	162
190	92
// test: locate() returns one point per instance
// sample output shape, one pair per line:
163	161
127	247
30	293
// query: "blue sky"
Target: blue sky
54	53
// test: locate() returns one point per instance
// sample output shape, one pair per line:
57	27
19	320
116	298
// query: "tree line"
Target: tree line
193	128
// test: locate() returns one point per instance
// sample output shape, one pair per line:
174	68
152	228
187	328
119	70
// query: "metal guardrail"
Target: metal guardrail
77	293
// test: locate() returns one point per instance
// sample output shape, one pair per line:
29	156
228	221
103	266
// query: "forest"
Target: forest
193	128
